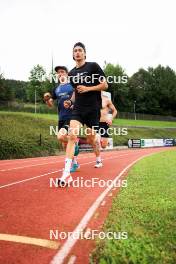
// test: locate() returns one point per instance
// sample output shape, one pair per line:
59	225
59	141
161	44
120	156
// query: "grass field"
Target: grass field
118	122
20	135
146	210
144	123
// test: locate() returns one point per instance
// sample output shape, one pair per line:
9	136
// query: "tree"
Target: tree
6	92
118	87
38	82
154	90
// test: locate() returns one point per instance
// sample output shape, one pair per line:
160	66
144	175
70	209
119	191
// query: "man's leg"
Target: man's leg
93	138
104	142
103	130
62	136
73	133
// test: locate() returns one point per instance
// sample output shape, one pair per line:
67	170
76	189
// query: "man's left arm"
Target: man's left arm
114	112
113	109
102	86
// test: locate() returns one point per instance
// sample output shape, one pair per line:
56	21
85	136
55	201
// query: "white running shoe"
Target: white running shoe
98	164
65	180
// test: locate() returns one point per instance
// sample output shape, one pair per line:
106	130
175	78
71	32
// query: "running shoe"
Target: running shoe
64	182
74	167
98	164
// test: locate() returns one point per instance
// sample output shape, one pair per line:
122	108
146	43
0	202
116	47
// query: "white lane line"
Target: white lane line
10	162
70	242
49	158
29	179
34	165
40	164
46	174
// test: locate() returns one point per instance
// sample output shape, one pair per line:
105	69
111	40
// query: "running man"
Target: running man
61	93
108	113
88	81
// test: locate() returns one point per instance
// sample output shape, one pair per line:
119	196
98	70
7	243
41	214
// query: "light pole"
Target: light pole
134	110
35	100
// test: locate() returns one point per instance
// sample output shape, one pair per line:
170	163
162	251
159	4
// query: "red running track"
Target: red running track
30	208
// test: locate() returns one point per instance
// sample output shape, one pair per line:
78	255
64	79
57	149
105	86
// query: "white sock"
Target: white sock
74	160
68	163
98	159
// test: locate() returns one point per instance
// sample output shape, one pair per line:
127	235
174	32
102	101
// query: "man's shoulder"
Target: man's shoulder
92	63
71	71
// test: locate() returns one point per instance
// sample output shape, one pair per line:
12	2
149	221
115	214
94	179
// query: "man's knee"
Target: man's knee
91	139
72	137
61	137
104	143
73	134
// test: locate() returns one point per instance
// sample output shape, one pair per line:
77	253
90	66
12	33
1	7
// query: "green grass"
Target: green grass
146	210
118	122
143	123
51	117
20	136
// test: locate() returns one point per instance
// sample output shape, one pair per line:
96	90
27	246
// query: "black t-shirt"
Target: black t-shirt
90	74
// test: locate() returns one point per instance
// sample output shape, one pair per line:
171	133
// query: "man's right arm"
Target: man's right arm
48	99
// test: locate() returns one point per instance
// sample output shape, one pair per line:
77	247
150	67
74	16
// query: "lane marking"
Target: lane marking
29	179
30	160
70	242
46	174
34	165
40	164
30	241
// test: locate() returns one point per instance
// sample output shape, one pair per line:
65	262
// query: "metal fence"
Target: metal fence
139	116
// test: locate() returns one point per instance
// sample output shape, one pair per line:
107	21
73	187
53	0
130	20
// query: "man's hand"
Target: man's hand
47	96
67	104
83	89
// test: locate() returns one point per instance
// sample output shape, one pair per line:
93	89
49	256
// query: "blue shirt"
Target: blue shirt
61	93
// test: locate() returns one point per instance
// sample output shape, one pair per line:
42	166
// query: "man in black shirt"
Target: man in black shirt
88	80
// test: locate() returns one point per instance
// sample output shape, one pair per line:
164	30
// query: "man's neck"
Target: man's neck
80	63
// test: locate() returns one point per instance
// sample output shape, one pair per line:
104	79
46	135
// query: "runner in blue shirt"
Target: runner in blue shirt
62	93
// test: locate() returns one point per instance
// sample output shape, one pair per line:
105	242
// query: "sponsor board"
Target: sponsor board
134	143
168	142
152	142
